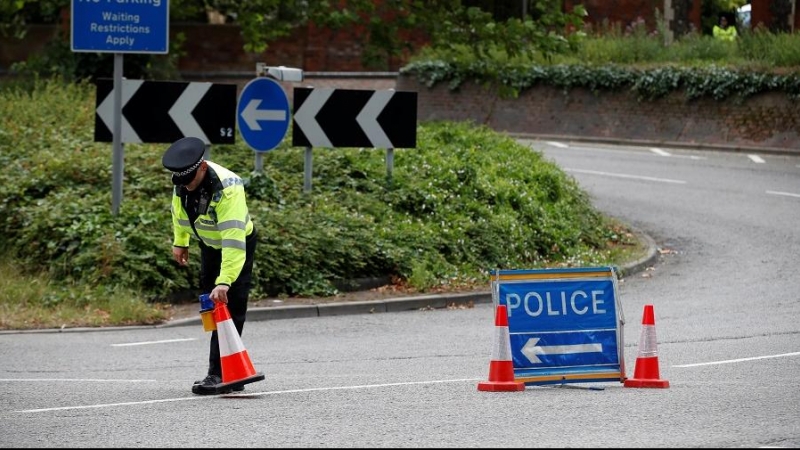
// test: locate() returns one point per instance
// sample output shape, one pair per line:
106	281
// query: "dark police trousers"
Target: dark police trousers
238	294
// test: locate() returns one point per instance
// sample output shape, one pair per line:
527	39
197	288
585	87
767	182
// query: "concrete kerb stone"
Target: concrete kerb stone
346	308
644	262
435	301
283	312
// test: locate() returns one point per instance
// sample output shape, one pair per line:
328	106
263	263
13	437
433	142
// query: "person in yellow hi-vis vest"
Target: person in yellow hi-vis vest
209	204
724	31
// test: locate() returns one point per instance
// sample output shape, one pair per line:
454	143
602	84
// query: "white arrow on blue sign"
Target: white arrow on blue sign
532	350
263	114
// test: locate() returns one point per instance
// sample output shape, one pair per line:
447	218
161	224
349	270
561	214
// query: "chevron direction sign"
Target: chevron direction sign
564	324
354	118
165	111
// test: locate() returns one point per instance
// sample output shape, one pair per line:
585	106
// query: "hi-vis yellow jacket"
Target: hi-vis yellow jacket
224	226
724	34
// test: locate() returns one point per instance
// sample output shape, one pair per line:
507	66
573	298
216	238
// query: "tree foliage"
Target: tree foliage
16	14
386	24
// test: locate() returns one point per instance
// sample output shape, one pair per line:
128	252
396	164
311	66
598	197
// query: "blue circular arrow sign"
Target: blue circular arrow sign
262	114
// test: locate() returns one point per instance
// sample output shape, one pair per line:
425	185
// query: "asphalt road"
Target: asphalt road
724	291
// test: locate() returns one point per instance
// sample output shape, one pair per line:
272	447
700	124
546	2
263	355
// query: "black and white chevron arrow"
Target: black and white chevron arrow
165	111
354	118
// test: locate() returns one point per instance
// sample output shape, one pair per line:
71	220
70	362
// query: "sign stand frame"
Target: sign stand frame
585	371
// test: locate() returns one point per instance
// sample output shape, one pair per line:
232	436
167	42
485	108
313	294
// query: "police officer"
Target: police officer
723	31
208	203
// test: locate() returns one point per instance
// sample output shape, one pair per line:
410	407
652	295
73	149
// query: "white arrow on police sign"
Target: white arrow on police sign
165	111
354	118
531	350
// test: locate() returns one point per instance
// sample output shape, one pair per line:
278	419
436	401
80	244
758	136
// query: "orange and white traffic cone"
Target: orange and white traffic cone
237	369
501	368
646	375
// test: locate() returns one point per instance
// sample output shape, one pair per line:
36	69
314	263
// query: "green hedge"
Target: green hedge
648	83
465	201
644	62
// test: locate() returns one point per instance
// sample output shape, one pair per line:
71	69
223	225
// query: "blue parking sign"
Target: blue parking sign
104	26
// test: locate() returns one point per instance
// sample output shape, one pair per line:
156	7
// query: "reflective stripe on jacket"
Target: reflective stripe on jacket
224	226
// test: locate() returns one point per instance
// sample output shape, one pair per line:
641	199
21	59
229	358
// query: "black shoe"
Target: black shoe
238	388
207	386
228	390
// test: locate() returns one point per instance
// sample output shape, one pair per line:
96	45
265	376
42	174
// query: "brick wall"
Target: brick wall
620	11
16	50
219	48
768	121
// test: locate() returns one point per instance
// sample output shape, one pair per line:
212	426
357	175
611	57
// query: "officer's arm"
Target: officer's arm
180	239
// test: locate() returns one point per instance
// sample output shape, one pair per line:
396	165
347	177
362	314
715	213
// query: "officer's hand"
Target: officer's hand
180	255
220	293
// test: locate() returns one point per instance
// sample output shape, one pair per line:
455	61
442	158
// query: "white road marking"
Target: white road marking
731	361
131	344
622	175
78	380
630	152
788	194
558	144
607	150
756	159
248	394
666	153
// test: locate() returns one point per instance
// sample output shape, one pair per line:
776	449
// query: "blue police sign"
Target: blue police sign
120	26
563	324
263	114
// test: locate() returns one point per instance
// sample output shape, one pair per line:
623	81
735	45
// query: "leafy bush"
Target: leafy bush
613	59
652	83
465	201
697	50
770	49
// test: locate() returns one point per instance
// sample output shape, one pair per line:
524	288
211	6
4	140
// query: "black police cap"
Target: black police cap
183	158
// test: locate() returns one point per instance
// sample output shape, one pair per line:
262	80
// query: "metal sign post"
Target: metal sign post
118	158
119	27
